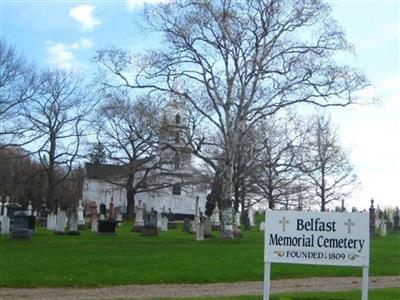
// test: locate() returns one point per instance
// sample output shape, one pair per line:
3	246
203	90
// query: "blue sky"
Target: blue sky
66	34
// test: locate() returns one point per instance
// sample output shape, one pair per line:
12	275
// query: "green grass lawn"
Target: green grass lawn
172	257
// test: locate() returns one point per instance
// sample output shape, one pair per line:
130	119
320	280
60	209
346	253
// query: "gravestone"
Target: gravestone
396	220
51	221
262	226
237	219
215	219
43	214
62	221
200	228
196	216
207	227
103	211
246	221
93	216
81	217
106	227
150	223
237	233
171	219
118	215
29	209
372	219
251	216
31	224
5	221
139	214
159	219
111	210
383	229
20	229
73	225
187	224
164	223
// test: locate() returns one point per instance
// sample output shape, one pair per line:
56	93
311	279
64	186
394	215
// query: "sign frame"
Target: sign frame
313	234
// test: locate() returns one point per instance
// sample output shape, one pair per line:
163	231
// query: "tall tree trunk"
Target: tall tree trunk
226	194
51	180
130	199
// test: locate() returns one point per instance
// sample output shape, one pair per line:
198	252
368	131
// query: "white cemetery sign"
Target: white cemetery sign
320	238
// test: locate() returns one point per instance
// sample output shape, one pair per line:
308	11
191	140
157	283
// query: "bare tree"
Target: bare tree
53	121
282	139
128	131
326	164
239	61
16	87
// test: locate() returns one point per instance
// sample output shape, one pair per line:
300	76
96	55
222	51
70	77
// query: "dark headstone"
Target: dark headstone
43	213
396	220
246	221
106	227
20	229
31	224
150	223
187	224
171	220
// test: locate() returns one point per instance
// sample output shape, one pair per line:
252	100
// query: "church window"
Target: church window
178	119
176	189
177	160
177	137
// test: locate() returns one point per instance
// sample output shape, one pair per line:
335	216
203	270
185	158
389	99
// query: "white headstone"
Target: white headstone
5	225
200	231
61	221
73	223
29	210
251	216
237	219
159	221
94	225
196	220
79	212
383	229
215	221
164	223
262	226
5	220
139	221
119	219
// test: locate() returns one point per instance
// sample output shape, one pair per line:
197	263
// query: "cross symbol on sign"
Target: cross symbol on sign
349	224
283	222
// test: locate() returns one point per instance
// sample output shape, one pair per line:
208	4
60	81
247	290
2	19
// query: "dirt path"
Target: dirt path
193	290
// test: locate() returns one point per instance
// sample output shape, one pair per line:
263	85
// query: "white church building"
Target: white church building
183	181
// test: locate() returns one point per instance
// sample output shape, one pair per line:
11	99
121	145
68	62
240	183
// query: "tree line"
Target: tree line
244	69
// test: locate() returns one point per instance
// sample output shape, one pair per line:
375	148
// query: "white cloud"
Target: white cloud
137	4
84	15
84	43
61	55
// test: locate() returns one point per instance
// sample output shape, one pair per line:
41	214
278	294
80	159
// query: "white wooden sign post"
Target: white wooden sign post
317	238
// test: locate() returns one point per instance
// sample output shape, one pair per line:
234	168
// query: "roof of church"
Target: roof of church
107	171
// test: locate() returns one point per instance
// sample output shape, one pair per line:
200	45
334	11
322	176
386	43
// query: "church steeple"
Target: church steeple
174	149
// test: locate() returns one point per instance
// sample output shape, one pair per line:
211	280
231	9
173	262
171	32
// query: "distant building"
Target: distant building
183	182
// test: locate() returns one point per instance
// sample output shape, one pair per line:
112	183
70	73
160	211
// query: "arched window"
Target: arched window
178	119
